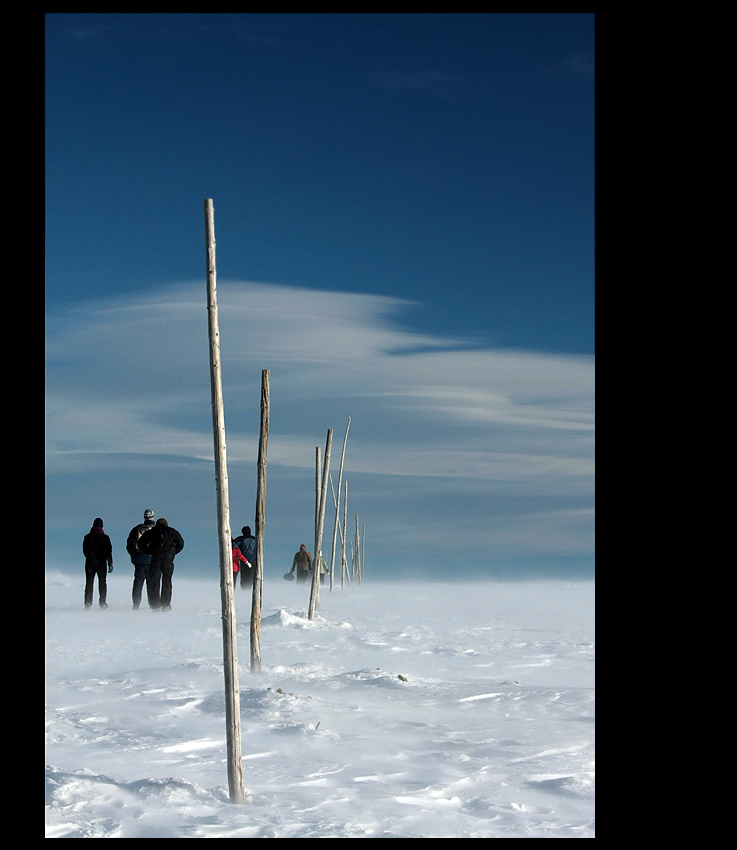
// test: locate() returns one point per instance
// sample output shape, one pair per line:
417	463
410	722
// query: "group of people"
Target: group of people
302	564
152	547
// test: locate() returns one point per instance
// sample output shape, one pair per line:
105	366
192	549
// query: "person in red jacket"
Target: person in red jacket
238	559
98	560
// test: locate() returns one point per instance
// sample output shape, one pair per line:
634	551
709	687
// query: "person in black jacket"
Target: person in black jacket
247	545
139	559
98	560
162	543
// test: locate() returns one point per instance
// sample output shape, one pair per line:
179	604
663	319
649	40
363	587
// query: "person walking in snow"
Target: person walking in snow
98	561
302	562
246	542
162	543
139	558
323	569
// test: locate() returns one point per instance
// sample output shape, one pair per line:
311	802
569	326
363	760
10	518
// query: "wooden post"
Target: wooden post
336	506
230	651
337	511
343	562
363	550
315	593
358	553
342	535
258	570
315	559
318	487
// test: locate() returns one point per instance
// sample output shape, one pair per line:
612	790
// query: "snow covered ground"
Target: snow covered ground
402	710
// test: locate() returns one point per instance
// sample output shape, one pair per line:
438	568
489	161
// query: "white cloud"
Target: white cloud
130	377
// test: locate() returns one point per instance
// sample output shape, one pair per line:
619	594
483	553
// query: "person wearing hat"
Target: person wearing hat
98	560
139	558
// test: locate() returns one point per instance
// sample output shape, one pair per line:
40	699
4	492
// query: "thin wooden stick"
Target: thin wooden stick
358	553
315	593
343	562
258	567
340	481
230	650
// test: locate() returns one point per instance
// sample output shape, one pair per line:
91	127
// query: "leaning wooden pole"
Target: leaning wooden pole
318	487
230	651
258	570
340	531
315	559
343	563
337	502
315	592
358	553
335	505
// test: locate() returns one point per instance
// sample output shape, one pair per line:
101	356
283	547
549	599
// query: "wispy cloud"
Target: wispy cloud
433	82
90	32
328	351
581	64
128	378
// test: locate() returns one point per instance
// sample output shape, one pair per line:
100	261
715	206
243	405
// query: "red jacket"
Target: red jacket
238	559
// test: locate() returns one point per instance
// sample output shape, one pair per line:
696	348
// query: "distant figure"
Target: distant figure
98	560
302	563
323	569
162	543
247	545
238	559
139	558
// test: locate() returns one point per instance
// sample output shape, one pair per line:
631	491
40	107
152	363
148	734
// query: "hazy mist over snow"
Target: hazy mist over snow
401	711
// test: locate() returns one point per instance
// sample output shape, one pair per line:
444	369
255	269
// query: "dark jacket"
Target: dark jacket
162	543
247	545
97	549
302	560
138	557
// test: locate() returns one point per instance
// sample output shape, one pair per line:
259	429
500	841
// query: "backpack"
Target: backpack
140	531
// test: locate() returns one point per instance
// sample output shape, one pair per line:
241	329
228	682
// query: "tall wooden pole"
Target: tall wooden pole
337	503
318	487
230	651
340	531
358	553
343	562
315	593
315	559
258	571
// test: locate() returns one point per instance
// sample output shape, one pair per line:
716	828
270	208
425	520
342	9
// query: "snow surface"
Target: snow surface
401	710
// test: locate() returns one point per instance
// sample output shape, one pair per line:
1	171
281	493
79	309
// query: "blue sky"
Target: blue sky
404	214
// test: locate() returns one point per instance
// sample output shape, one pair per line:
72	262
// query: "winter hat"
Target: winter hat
97	523
148	514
